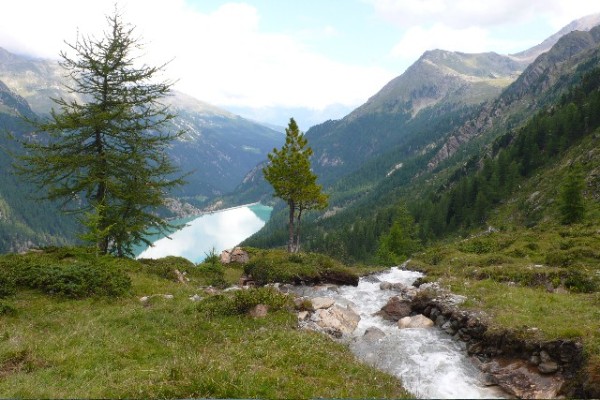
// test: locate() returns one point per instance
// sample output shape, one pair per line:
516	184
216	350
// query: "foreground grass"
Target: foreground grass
54	347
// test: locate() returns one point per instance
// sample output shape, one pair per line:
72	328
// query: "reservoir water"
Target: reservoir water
219	230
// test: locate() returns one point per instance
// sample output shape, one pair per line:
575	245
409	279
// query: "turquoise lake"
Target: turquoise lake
219	230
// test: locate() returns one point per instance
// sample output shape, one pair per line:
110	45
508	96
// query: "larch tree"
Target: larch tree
104	157
290	175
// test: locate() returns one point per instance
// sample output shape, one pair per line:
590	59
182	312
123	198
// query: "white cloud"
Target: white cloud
220	57
473	25
418	39
470	13
226	57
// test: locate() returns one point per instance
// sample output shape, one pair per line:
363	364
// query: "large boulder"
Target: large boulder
519	379
235	255
418	321
321	302
337	318
395	309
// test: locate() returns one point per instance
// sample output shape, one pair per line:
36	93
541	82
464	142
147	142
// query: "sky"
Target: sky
270	60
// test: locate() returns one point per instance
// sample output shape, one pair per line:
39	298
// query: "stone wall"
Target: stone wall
546	368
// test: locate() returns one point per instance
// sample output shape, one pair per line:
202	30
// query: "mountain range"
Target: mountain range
433	122
436	122
217	149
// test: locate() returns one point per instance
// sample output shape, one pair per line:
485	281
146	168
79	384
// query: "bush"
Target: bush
213	271
7	309
577	281
278	266
70	272
75	280
559	259
7	283
242	301
165	267
478	246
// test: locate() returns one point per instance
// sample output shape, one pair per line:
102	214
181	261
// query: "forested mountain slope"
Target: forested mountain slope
355	222
24	221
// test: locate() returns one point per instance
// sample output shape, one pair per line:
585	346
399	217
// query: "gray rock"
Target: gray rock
418	321
303	315
544	356
548	367
399	286
196	297
321	302
371	279
259	311
373	333
395	309
385	286
440	320
535	360
338	318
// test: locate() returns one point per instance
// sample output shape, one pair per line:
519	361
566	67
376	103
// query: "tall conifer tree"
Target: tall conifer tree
105	155
293	181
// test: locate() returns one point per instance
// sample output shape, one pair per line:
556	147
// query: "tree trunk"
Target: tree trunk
297	245
292	207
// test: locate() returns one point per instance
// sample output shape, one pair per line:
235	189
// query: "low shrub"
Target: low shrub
69	277
75	280
165	267
7	309
212	270
278	266
478	246
559	258
240	302
579	282
7	282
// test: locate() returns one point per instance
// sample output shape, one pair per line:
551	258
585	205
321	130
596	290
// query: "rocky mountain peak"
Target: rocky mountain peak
582	24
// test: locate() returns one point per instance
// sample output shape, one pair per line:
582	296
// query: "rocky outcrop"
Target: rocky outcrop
235	255
318	303
321	314
395	309
259	311
520	379
337	319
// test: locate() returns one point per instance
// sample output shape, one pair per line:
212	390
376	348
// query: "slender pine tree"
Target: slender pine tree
293	181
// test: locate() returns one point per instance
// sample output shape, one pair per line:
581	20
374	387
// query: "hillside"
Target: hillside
23	223
103	327
427	157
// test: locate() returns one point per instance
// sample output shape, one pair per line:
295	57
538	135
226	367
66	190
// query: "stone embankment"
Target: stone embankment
525	368
521	367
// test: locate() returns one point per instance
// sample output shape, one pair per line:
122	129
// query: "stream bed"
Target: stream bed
429	362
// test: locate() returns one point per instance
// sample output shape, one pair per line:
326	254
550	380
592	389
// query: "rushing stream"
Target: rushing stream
429	362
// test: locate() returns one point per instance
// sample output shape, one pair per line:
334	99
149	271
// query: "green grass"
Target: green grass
103	347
